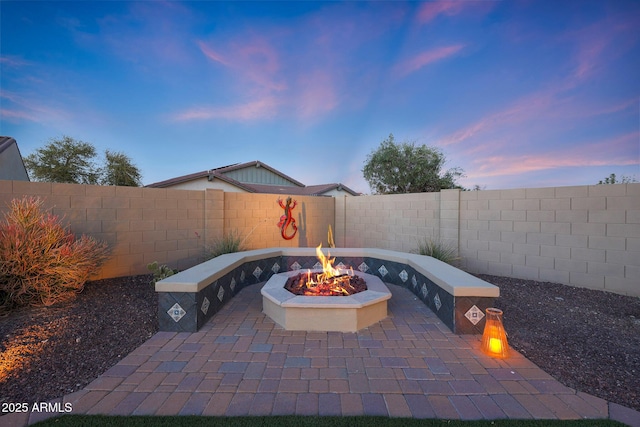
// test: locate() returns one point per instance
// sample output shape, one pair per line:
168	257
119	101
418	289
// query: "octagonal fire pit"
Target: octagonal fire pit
347	313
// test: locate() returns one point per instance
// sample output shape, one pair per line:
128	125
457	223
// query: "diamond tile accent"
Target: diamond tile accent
383	270
257	272
220	293
317	266
296	266
242	276
205	305
424	290
341	266
437	302
232	285
275	268
404	275
176	312
474	314
414	281
363	267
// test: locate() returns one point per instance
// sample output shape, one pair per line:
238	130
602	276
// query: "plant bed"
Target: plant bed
47	352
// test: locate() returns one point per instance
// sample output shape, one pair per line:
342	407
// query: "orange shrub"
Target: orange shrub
41	261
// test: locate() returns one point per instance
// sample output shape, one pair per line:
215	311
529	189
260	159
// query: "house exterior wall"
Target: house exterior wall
11	165
204	184
337	193
258	175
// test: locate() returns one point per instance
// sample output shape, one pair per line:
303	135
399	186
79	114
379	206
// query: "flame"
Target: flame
331	278
328	271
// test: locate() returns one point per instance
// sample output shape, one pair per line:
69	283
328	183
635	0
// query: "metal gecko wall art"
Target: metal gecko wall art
287	221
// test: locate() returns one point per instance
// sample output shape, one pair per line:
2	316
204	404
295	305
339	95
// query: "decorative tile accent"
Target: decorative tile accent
205	305
257	272
383	270
317	266
341	266
403	275
425	291
275	268
437	302
414	281
232	285
474	314
242	276
221	293
176	312
363	267
296	266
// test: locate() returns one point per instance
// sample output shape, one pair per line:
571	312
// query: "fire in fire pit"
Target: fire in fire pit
329	282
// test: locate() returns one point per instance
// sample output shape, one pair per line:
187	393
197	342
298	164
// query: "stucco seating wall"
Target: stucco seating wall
187	300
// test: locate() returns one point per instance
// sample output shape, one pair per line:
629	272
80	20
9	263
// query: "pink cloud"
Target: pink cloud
430	10
254	110
316	94
425	58
599	44
13	61
21	108
213	55
524	109
610	152
253	59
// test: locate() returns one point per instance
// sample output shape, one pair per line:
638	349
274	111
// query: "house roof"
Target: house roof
221	173
5	142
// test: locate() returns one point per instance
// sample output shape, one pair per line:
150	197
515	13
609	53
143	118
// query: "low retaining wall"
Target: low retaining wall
190	298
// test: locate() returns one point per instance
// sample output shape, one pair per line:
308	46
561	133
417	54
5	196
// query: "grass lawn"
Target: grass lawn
300	421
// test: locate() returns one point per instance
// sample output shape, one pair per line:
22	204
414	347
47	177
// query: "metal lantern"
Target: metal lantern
494	337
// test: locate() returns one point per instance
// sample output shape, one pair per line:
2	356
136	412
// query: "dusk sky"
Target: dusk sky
531	93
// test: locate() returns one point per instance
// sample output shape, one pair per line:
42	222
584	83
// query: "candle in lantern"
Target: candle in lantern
494	338
495	345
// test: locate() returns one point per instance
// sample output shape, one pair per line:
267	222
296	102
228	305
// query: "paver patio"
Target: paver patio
408	365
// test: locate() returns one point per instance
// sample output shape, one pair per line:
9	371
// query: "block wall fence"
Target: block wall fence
142	225
585	236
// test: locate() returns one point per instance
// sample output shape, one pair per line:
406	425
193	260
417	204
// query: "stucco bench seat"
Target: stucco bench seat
190	298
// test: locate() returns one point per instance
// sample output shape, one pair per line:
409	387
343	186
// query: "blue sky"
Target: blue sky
529	93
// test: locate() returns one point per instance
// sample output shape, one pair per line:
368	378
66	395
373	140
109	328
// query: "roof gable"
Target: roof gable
257	173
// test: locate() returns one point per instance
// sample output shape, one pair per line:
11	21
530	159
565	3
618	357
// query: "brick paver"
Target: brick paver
408	365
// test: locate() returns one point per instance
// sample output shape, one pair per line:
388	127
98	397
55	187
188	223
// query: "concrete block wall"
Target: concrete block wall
586	236
141	225
256	217
394	222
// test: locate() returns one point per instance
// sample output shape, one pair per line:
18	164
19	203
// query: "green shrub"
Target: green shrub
229	243
160	271
41	261
438	250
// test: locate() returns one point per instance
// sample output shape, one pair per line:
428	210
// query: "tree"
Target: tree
70	161
612	179
406	168
119	170
63	160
